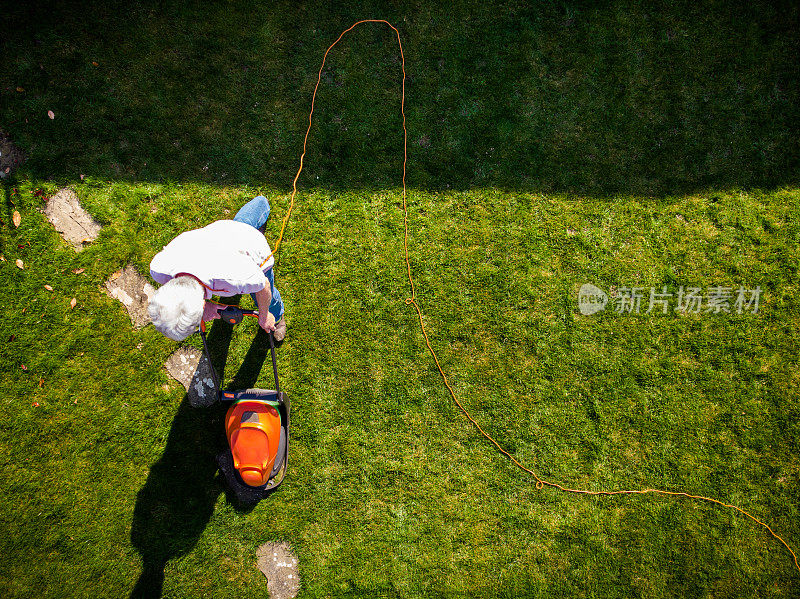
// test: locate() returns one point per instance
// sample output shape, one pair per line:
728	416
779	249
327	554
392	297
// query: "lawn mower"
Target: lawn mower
256	426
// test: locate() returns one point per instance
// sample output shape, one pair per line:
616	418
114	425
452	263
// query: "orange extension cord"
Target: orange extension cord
540	482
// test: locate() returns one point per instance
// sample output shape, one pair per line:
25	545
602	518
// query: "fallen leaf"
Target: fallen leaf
73	303
16	218
95	64
115	275
41	382
48	287
20	264
51	114
78	271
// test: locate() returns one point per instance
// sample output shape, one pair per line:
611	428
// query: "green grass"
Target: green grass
390	489
550	147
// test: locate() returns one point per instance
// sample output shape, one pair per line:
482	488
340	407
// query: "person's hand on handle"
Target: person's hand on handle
210	311
265	319
266	322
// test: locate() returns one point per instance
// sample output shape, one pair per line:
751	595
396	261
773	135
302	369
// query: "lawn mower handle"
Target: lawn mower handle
234	315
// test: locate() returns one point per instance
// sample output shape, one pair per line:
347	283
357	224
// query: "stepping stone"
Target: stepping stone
279	565
64	211
190	368
134	291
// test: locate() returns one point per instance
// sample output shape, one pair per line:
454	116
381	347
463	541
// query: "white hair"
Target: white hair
176	307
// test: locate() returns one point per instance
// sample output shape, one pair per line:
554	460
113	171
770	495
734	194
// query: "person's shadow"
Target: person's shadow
176	503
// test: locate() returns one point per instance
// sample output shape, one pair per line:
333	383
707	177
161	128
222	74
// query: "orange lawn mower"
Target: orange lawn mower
256	425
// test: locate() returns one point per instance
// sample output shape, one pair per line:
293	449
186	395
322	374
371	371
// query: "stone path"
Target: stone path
279	565
191	368
186	365
77	227
134	291
70	219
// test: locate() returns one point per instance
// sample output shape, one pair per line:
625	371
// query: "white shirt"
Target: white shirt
228	257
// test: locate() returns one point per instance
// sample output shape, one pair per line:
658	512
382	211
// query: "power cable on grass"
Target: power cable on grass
412	301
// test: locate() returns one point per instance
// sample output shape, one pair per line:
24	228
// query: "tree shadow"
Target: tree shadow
587	97
7	194
183	486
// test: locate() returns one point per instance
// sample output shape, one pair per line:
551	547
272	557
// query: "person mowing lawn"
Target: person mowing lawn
227	257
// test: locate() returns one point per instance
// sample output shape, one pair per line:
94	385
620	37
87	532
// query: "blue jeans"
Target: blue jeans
255	213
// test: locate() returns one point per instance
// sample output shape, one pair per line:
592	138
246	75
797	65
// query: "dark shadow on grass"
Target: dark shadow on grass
248	372
174	506
588	97
176	503
7	194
